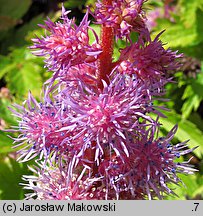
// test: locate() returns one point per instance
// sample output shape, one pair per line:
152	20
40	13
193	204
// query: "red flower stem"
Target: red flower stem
105	58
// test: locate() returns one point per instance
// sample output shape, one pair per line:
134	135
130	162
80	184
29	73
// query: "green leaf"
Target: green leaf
198	191
4	62
185	190
188	11
186	32
25	77
5	113
10	176
196	119
193	95
90	2
5	143
186	130
192	100
96	28
14	8
197	84
74	4
11	11
199	21
192	103
177	35
188	92
19	37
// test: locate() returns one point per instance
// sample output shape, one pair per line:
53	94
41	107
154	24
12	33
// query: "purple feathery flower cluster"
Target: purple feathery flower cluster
67	44
149	61
124	16
92	142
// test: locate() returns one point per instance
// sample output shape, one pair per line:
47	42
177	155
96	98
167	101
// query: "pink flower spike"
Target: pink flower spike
124	16
95	133
150	168
53	183
107	117
149	61
67	44
41	129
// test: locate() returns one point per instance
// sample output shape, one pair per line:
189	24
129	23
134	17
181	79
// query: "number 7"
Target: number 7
197	204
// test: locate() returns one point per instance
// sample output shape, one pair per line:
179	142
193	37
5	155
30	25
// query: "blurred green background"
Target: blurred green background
20	72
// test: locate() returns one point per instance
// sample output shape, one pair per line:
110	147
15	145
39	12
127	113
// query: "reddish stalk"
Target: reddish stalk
105	58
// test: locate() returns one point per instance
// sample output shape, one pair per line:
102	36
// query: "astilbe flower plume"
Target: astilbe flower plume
67	44
149	61
50	183
93	134
149	167
85	72
39	128
104	118
123	16
144	173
